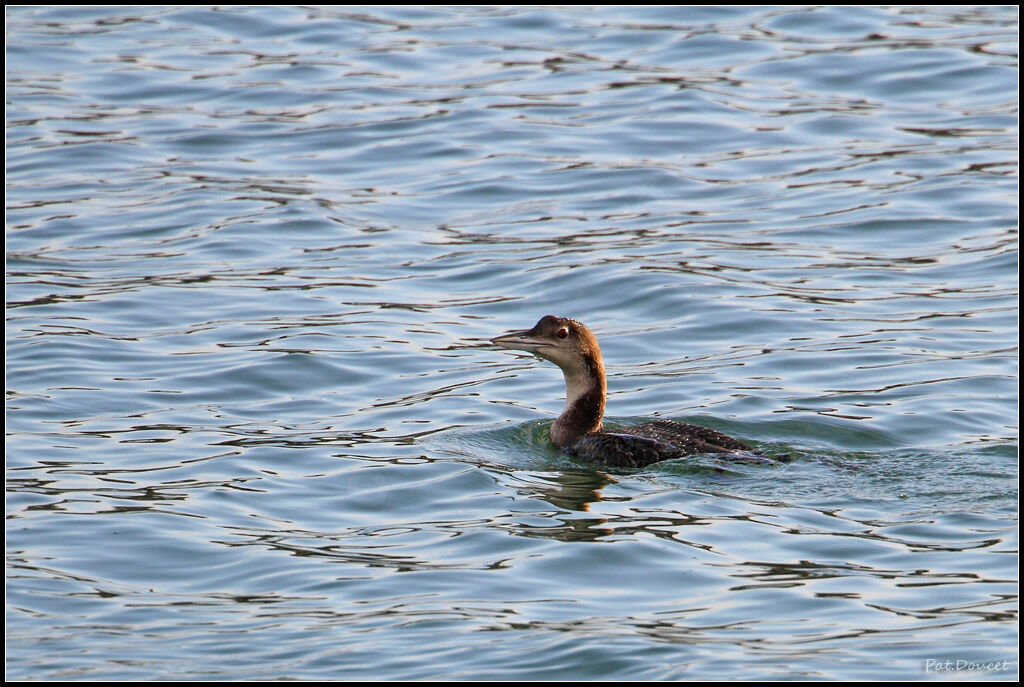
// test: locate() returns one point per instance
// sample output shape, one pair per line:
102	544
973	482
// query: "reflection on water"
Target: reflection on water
254	257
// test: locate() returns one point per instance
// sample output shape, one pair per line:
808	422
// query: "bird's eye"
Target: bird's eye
562	333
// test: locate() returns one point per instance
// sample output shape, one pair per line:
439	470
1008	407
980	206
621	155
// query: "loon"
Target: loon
578	430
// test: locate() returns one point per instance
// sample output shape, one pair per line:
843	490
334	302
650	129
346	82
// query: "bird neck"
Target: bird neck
585	393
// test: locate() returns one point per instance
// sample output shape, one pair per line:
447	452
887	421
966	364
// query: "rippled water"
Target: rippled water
254	256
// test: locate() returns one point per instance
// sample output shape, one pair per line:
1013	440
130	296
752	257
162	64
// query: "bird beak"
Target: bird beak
524	340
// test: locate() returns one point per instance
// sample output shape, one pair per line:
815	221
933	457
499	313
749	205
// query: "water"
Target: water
255	431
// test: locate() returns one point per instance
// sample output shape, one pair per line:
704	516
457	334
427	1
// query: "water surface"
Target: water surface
254	257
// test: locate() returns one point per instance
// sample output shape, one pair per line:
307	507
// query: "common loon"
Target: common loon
578	431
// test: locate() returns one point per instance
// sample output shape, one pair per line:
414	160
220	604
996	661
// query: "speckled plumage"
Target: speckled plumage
640	445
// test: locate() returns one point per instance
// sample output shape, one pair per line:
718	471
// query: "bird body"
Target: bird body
579	431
